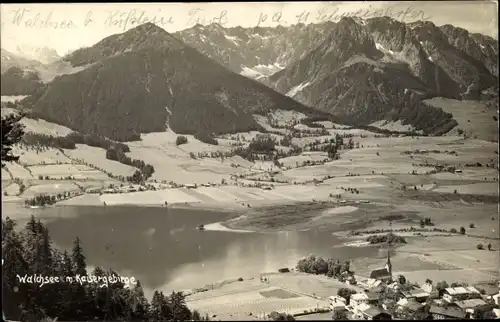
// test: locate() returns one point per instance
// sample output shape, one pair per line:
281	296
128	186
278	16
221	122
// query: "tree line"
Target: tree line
39	139
30	251
145	171
206	138
70	140
114	150
319	266
15	81
43	200
389	238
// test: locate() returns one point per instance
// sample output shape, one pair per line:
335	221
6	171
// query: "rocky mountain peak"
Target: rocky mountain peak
456	31
146	29
42	54
348	37
144	36
428	31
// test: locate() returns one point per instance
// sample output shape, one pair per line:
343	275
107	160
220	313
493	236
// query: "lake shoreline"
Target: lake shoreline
244	216
256	216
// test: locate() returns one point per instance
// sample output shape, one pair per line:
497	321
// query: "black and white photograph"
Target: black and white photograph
250	161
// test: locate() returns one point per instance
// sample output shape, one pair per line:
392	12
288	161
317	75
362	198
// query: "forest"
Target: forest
145	170
30	250
114	150
16	82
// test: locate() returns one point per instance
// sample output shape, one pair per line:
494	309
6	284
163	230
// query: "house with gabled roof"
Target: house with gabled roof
416	294
475	307
443	313
358	299
452	294
488	291
410	304
431	290
370	312
371	283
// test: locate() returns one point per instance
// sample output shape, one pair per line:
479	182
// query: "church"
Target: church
384	274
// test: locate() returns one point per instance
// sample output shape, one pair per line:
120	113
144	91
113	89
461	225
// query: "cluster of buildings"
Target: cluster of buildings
416	302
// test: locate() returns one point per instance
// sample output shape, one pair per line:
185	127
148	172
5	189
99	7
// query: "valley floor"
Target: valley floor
384	184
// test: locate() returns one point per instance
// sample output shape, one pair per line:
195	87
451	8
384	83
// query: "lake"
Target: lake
163	249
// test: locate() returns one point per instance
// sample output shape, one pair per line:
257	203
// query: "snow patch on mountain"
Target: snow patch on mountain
382	49
425	51
268	70
251	73
296	89
233	39
12	98
260	71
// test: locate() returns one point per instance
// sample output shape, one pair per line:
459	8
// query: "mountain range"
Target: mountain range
145	80
45	55
213	79
9	60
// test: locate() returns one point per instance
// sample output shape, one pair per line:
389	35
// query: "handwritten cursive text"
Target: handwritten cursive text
24	17
125	19
327	13
197	16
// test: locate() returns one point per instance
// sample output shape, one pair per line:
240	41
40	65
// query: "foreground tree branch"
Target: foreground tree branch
12	132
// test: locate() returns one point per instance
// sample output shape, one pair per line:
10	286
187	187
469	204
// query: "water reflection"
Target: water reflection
165	251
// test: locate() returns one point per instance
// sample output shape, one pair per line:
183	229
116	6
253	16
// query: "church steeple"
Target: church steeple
388	264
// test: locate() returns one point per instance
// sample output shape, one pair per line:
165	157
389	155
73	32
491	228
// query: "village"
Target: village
385	298
302	294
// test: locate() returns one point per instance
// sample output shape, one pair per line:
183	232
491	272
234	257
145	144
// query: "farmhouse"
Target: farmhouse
93	190
410	305
474	306
452	294
441	313
359	299
370	312
370	283
388	304
496	298
431	290
488	291
337	301
417	294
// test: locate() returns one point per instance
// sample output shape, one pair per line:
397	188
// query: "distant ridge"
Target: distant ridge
145	80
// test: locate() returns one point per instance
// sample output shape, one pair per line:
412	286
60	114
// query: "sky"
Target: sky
66	27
